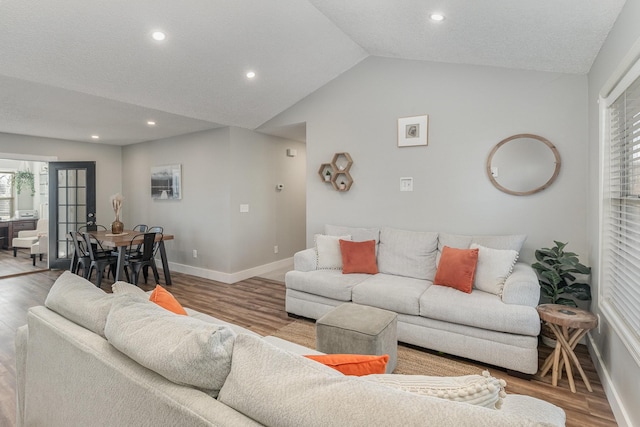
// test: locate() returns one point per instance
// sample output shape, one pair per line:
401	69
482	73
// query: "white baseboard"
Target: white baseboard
219	276
622	418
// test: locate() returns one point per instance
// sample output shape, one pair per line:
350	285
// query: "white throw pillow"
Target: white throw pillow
328	254
482	390
493	269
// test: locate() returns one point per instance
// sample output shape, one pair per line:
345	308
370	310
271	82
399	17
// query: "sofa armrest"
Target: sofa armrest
305	260
28	233
522	287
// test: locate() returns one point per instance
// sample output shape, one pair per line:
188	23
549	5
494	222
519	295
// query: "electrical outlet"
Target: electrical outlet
195	253
275	249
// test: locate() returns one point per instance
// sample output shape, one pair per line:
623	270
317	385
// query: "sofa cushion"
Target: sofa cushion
328	252
408	253
457	268
494	266
460	241
316	395
353	364
482	390
121	287
325	283
357	234
182	349
80	301
394	293
513	242
478	309
358	257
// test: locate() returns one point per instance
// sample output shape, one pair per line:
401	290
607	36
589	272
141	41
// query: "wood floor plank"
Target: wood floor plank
258	304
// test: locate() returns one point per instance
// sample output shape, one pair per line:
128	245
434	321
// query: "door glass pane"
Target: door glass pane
81	198
62	214
82	215
72	178
62	196
62	249
82	178
72	193
62	178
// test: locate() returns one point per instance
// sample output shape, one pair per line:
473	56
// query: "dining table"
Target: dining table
121	242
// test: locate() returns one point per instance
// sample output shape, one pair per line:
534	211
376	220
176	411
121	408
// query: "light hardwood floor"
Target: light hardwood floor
257	304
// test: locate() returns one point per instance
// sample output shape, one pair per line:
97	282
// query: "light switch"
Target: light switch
406	184
244	208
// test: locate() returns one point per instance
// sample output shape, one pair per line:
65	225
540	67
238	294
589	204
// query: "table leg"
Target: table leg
120	263
556	363
165	264
568	352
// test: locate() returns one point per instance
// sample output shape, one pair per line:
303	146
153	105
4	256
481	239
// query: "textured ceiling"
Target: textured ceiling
73	68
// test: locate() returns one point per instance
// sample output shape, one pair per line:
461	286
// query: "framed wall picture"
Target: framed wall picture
166	182
413	131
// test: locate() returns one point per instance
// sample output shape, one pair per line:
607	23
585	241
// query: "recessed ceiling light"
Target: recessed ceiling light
251	74
158	35
95	136
436	17
151	123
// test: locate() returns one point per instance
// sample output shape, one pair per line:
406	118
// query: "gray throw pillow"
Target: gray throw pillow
80	301
182	349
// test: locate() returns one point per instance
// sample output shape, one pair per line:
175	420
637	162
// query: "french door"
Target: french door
72	203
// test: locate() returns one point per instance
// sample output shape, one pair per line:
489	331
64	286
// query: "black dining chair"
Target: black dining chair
79	256
100	258
142	261
97	249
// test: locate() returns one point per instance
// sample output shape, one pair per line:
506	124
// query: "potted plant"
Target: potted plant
558	274
25	178
327	175
343	185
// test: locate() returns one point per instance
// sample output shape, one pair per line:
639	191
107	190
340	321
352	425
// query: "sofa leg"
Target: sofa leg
33	257
15	251
294	316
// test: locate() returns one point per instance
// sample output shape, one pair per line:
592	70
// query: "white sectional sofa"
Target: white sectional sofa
89	358
499	328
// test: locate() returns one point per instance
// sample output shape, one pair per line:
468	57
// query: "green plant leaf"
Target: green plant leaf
582	291
553	277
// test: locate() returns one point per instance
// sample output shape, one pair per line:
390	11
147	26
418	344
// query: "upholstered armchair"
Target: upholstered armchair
40	248
26	238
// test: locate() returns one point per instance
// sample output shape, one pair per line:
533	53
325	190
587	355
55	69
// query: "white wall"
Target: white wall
470	108
107	158
221	169
618	371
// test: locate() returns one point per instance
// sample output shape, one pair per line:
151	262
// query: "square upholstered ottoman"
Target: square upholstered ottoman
358	329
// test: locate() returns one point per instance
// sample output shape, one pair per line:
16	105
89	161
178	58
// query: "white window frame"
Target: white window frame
629	336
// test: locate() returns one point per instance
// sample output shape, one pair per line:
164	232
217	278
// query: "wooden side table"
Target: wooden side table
569	325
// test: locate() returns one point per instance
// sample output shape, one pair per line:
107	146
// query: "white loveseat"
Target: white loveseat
95	359
499	328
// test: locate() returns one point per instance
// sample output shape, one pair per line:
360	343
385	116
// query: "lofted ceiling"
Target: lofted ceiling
75	68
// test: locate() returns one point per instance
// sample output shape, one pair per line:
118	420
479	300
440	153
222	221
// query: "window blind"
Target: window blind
620	280
6	194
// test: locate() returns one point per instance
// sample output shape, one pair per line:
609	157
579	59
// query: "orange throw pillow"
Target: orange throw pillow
457	268
164	299
358	257
354	364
